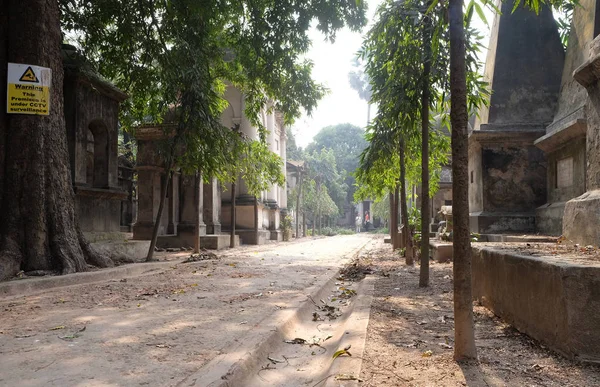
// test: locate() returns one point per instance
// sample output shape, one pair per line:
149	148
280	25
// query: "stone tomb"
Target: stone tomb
507	172
91	120
189	201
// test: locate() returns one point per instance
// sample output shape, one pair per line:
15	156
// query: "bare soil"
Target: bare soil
159	328
562	251
410	338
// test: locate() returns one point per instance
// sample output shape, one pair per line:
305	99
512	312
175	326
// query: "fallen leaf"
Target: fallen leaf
69	337
342	352
347	377
275	361
427	354
297	340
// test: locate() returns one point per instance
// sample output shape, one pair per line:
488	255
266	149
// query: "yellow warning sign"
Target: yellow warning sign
28	89
29	76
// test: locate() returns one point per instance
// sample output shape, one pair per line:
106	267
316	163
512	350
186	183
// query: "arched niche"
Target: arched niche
97	156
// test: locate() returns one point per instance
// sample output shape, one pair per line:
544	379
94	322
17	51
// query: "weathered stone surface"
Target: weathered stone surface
581	222
508	180
524	65
217	242
553	302
441	251
549	218
251	237
129	249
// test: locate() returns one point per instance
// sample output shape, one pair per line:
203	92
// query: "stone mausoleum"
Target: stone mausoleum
256	225
534	154
104	197
188	196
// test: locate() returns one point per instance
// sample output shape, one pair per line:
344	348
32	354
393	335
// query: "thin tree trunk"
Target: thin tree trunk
198	214
303	223
406	233
393	230
39	228
233	217
314	224
164	185
320	217
425	219
298	204
464	331
256	216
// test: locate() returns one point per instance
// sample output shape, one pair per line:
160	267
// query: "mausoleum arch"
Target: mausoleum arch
97	154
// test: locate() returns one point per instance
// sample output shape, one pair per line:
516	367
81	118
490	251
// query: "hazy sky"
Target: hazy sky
332	63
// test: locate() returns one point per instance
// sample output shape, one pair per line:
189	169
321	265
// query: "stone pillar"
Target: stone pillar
283	153
190	209
150	171
271	194
172	205
507	172
582	214
148	192
212	207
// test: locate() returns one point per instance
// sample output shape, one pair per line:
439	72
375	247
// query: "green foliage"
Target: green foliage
394	54
414	218
317	202
359	81
286	223
381	207
292	150
173	58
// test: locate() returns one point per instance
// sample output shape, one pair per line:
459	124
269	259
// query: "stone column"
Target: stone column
148	193
172	206
212	207
283	153
190	209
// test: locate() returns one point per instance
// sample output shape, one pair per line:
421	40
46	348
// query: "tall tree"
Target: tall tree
425	106
464	335
39	228
172	58
359	81
347	142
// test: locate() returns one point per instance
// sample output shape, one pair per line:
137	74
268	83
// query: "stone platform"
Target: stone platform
118	245
251	237
440	251
549	299
217	242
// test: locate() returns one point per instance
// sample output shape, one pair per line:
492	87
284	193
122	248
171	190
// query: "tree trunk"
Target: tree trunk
256	216
393	220
464	332
233	218
406	233
298	205
303	223
320	217
165	180
314	224
198	214
424	270
39	228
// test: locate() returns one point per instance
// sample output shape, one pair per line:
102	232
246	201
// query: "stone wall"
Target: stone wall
554	302
91	120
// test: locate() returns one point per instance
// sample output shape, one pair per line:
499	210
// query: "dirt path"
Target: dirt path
158	329
410	339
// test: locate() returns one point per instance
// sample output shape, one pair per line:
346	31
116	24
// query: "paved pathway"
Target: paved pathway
160	329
